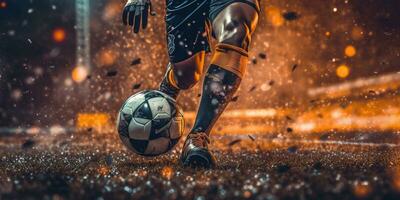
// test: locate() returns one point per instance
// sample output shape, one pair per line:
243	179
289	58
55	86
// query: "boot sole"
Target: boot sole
198	159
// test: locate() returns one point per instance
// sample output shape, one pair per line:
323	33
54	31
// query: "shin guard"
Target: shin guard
222	80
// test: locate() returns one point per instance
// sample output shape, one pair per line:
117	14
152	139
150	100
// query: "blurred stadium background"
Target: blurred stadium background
319	69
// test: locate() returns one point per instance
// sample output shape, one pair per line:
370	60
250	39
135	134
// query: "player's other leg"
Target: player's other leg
182	75
187	43
232	27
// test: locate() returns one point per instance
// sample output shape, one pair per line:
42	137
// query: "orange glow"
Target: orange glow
141	173
106	57
3	4
167	172
103	170
343	71
111	10
247	194
350	51
327	34
378	115
274	16
59	35
93	120
396	179
79	74
357	33
362	189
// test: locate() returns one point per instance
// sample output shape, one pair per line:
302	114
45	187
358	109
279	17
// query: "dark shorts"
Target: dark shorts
188	25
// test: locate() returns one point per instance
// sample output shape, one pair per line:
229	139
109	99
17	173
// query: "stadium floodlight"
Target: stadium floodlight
82	34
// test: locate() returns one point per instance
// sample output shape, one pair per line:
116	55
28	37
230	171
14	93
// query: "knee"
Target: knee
235	25
188	72
235	32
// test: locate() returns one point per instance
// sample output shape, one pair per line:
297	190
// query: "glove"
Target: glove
136	12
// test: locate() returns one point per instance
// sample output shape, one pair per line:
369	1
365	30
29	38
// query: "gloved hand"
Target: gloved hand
136	12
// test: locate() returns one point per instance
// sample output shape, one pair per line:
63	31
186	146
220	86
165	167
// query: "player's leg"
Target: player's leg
187	43
232	27
182	75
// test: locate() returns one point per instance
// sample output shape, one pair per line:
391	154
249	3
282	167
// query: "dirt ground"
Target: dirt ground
97	166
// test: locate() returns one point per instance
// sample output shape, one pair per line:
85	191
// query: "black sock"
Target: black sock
218	89
167	87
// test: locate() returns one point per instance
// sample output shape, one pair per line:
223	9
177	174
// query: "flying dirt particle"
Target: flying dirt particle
28	144
136	61
271	83
136	86
234	99
343	105
291	15
262	55
112	72
292	149
288	118
289	130
313	101
89	129
252	138
372	92
234	142
254	61
324	137
88	76
63	144
294	67
253	88
282	168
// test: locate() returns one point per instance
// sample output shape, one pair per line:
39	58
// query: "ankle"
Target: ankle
168	89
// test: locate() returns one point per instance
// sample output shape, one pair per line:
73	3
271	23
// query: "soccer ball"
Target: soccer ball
150	123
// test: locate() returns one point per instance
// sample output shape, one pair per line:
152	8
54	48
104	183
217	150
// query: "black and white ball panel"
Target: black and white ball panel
150	123
133	103
157	146
143	111
139	128
135	146
161	117
177	127
125	114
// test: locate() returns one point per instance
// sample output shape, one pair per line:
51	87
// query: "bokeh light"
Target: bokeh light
79	74
3	4
59	35
327	34
106	57
343	71
92	120
111	10
167	172
274	16
350	51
